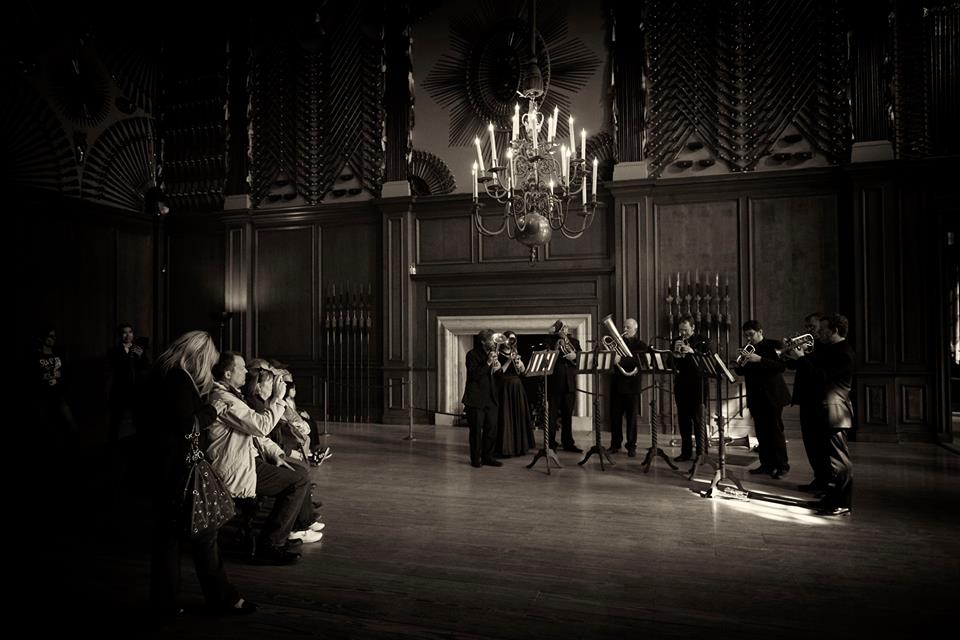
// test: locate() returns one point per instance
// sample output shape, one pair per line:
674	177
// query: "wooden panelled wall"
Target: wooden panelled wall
83	268
853	240
271	270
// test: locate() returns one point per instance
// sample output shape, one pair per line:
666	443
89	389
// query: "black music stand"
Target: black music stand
713	366
654	363
596	362
541	365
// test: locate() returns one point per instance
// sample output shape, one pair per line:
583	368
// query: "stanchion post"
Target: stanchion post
410	435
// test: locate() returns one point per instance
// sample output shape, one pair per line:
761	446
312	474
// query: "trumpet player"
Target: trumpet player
689	387
767	394
480	399
625	391
805	395
563	387
829	371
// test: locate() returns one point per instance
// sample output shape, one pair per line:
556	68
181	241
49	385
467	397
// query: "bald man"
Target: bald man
625	392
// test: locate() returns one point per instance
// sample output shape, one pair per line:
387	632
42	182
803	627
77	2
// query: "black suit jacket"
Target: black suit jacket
828	376
764	379
629	385
689	378
564	376
480	390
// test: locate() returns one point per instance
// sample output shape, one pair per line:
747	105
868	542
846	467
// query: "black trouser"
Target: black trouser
768	423
690	419
483	432
839	491
290	488
561	405
623	405
814	442
165	563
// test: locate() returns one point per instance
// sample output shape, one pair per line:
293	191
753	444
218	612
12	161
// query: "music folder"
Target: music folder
590	362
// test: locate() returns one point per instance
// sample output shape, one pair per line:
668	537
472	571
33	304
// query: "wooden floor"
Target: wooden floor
420	545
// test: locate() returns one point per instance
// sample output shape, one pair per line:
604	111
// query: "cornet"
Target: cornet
742	356
614	342
802	342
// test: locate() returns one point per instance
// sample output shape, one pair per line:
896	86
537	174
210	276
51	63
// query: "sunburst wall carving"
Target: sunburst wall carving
489	43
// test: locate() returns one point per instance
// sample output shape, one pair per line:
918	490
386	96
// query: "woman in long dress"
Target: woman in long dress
516	425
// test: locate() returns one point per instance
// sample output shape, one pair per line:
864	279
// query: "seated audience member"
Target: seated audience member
233	447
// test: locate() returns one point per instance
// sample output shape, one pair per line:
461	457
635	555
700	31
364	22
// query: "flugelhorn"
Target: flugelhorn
744	352
803	342
614	342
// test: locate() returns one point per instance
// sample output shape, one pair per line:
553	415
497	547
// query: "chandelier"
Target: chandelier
541	181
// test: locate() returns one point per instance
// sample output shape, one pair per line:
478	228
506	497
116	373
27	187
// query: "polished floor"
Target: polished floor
420	545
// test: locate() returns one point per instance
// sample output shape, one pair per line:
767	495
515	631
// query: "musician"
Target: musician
767	395
515	432
563	387
689	387
806	396
829	370
480	399
625	391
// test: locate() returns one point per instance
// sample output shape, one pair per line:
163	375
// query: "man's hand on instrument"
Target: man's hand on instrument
753	357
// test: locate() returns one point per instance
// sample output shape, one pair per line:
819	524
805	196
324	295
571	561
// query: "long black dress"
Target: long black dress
515	435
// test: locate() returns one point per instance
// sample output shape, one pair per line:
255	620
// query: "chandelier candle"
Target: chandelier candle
476	141
493	148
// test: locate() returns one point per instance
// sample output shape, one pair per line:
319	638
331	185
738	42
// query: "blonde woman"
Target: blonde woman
182	380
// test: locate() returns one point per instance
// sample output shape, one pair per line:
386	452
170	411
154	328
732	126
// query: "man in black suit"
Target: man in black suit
689	388
563	387
829	370
625	391
808	398
480	400
767	395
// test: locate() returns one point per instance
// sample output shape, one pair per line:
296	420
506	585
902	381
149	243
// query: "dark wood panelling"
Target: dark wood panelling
594	243
444	240
795	265
135	280
875	404
873	282
197	278
237	290
396	276
913	403
493	249
284	293
914	282
692	236
509	293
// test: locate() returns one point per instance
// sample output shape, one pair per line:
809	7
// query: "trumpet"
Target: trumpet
678	342
744	352
614	342
564	346
493	355
803	342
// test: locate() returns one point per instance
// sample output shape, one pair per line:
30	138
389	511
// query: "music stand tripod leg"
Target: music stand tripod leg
654	451
545	451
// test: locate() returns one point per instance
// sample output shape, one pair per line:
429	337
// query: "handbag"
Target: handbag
205	497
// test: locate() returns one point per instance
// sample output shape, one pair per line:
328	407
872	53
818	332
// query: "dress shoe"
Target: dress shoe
834	511
492	462
779	473
277	556
632	452
758	470
476	463
572	448
683	457
613	449
242	608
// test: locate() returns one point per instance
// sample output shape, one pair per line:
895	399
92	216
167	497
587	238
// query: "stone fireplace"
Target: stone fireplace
455	335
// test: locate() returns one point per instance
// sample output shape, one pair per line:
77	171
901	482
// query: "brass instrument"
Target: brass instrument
614	342
744	352
508	350
803	342
493	355
564	346
683	342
